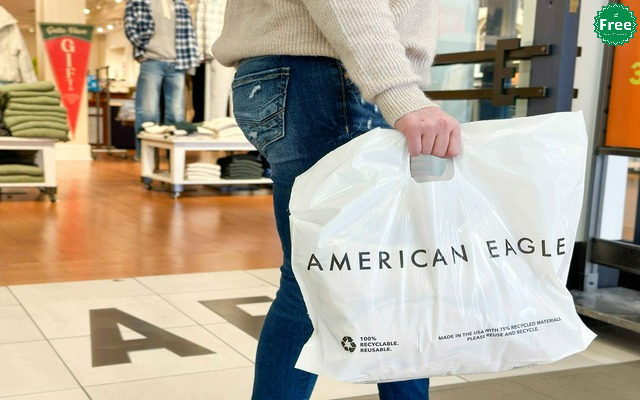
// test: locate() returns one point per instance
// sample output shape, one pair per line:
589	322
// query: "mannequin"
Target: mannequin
163	39
16	65
218	78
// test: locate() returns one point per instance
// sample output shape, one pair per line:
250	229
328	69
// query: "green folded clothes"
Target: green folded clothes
42	86
20	179
42	133
40	114
186	126
17	120
21	169
28	93
7	96
38	124
43	100
34	108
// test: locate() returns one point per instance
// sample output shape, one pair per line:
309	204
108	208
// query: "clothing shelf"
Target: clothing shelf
45	158
177	147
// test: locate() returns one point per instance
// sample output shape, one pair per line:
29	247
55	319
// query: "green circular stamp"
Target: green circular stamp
615	24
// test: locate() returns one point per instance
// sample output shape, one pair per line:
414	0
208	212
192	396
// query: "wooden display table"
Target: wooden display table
178	146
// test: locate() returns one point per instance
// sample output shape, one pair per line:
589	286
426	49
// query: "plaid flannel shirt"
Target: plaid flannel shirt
209	22
139	27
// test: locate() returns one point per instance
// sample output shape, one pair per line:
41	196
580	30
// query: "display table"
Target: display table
178	146
45	158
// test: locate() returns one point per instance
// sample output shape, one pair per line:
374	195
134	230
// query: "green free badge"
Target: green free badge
615	24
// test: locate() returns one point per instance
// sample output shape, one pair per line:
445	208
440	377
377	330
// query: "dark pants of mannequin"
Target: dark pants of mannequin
158	77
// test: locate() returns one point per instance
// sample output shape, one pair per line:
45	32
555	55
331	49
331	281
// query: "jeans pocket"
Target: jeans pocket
259	103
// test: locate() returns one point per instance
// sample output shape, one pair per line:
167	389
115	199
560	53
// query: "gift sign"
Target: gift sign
68	47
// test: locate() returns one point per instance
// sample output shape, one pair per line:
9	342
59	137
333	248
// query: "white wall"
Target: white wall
30	41
118	55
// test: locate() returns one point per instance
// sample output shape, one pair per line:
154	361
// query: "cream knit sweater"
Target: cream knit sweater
387	46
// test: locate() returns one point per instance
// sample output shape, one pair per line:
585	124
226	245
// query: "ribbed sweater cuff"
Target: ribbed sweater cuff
398	102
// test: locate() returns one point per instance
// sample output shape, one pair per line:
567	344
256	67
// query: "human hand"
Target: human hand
431	131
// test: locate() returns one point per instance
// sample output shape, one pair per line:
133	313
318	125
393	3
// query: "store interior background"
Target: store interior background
107	229
465	26
109	47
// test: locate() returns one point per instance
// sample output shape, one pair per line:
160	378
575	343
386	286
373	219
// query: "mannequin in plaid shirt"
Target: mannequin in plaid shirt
164	42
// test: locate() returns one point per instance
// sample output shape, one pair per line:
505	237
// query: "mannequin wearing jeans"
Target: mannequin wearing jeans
159	77
162	34
311	76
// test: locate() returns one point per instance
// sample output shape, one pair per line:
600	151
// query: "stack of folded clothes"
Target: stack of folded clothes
3	129
244	166
17	166
202	171
222	128
33	110
177	129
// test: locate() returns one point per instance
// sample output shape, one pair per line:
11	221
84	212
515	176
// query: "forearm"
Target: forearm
368	42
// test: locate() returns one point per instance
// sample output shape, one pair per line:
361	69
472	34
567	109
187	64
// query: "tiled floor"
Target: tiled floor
56	343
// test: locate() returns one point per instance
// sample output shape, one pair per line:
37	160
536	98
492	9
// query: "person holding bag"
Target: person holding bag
311	76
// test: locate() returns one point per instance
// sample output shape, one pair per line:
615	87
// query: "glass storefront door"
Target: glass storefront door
471	25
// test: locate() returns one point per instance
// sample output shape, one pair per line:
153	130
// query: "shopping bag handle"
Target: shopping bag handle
427	168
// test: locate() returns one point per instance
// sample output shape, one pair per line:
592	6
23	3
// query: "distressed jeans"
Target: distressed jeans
158	77
295	110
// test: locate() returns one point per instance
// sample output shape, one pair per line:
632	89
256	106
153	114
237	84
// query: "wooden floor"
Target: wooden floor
105	224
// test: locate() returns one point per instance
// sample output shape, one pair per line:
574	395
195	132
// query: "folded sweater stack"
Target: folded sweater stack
222	128
17	166
244	166
33	110
202	171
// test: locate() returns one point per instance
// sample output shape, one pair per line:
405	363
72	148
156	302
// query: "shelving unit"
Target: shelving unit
103	118
45	158
178	146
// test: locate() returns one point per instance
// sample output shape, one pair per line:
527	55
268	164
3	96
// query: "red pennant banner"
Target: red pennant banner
68	47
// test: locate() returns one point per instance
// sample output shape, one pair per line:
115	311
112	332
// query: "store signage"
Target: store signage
624	100
109	348
68	47
615	24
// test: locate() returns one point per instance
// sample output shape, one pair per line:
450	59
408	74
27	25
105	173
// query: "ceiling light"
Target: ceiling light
86	11
110	27
100	29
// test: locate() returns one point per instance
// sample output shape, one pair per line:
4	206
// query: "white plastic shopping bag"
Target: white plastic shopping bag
464	274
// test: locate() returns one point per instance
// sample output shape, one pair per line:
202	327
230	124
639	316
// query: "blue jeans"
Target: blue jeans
295	110
156	77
